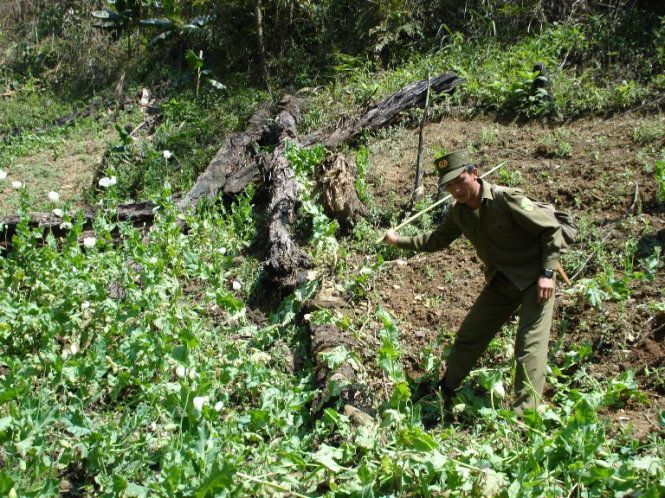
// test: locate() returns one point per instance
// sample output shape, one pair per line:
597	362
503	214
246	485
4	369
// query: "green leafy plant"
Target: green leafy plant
361	282
124	15
362	165
522	96
196	63
174	28
648	132
659	175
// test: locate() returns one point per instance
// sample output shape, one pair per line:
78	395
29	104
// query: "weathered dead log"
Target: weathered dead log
234	166
340	382
136	212
386	110
287	264
337	188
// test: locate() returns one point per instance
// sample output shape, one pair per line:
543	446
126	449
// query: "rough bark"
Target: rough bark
235	165
342	381
287	263
338	192
136	212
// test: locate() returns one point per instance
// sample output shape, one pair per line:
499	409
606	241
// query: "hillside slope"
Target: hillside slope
601	171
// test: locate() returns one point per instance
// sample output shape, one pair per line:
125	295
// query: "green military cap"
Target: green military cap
450	166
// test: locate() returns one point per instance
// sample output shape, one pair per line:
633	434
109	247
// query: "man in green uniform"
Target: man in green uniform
519	244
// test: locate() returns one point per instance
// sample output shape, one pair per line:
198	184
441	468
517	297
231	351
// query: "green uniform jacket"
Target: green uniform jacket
515	236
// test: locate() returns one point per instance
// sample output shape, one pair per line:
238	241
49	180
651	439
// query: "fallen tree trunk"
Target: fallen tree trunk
340	382
386	110
136	212
234	166
287	263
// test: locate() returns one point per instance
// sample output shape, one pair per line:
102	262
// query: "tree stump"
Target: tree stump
336	185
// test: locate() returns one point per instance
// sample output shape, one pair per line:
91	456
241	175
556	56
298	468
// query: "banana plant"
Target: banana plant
174	28
123	15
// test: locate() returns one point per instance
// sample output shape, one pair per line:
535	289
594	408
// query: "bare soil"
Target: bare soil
599	171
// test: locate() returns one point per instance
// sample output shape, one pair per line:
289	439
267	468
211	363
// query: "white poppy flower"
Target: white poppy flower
199	401
69	350
236	285
222	250
16	185
89	242
498	390
459	408
53	196
218	406
180	371
3	174
107	182
167	154
260	357
58	212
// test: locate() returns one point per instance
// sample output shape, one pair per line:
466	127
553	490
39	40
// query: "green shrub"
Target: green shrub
649	131
659	175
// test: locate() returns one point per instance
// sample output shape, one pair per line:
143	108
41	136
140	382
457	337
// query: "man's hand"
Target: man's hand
390	237
545	289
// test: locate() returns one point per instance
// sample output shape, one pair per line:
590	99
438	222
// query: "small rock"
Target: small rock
358	417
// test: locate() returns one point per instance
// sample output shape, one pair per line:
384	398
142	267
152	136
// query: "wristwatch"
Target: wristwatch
547	273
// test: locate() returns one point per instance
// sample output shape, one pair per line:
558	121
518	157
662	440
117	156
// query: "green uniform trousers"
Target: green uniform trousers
494	307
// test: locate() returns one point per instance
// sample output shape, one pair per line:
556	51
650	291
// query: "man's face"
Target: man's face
464	187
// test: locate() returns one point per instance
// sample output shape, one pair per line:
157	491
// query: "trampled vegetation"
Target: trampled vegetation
138	361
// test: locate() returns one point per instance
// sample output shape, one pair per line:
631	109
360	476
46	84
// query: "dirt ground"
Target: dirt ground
598	170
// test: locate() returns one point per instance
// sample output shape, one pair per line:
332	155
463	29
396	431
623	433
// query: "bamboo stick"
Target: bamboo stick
562	273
